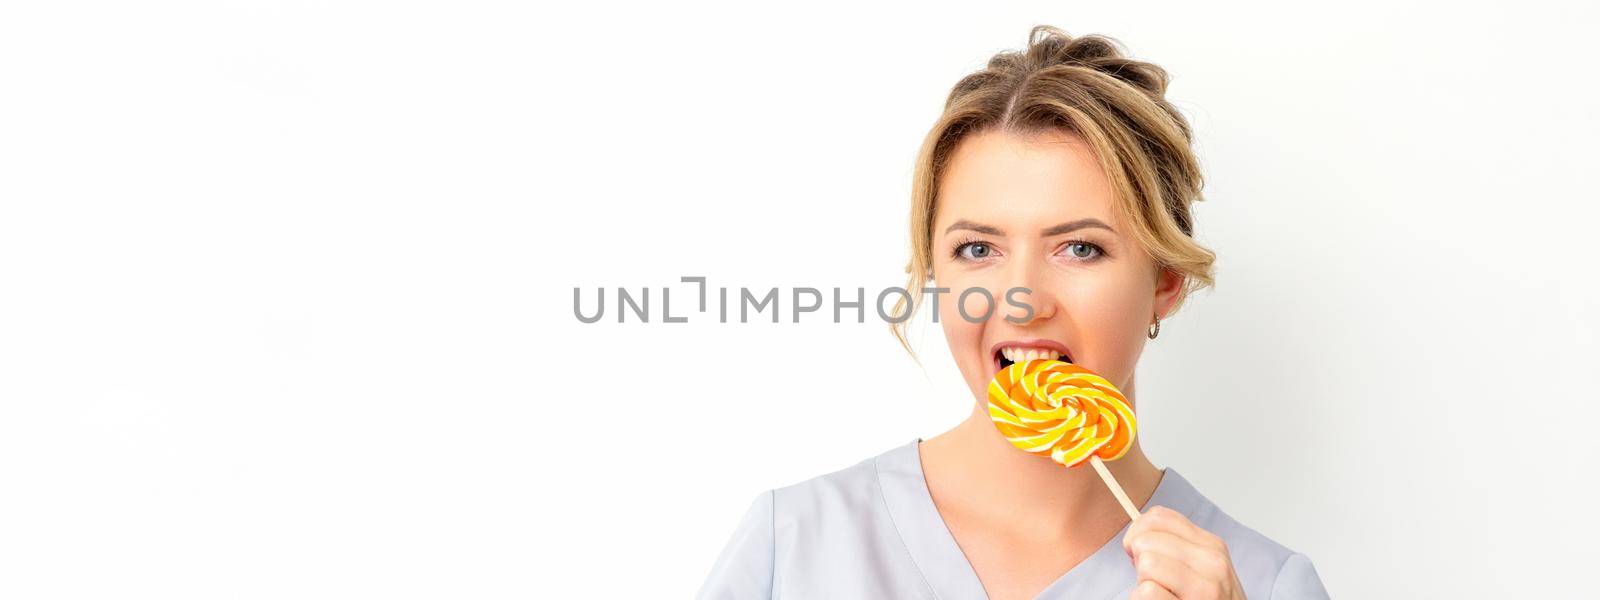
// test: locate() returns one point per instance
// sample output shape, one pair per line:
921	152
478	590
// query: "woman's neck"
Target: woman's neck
974	472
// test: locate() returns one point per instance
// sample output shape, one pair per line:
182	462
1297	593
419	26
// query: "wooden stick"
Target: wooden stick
1116	489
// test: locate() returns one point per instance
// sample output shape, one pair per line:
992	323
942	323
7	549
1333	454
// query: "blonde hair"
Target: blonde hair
1087	86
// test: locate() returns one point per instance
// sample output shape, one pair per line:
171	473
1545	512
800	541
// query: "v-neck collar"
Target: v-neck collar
950	575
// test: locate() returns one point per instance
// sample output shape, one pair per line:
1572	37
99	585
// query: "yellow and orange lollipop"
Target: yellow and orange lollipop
1067	411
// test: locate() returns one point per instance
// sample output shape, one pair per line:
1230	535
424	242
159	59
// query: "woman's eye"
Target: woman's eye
975	251
1083	250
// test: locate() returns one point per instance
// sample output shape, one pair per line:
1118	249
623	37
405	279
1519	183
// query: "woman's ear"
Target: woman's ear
1169	283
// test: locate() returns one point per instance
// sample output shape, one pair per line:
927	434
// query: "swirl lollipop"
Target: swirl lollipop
1066	411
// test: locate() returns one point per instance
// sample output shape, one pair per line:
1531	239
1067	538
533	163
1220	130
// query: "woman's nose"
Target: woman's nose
1028	298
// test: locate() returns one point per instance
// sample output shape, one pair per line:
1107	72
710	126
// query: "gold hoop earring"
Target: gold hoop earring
1155	329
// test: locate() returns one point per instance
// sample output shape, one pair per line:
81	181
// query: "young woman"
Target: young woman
1061	169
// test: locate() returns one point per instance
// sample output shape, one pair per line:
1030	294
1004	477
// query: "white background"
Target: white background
286	287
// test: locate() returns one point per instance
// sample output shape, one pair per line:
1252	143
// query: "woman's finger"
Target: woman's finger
1201	559
1161	518
1150	590
1176	576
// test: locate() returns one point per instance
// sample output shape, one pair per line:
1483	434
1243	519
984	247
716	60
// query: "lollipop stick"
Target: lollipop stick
1116	489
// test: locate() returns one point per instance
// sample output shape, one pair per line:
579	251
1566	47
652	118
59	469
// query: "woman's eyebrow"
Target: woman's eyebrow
978	227
1071	226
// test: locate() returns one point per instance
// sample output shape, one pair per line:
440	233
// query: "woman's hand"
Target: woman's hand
1177	559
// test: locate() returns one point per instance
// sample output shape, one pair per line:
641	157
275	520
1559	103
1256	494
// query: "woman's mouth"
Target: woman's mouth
1009	353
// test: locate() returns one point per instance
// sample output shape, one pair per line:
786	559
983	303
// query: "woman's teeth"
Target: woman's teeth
1021	354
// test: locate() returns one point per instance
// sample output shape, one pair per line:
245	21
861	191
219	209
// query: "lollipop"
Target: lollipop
1065	411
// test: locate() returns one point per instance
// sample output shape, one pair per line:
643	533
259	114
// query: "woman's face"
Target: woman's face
1036	212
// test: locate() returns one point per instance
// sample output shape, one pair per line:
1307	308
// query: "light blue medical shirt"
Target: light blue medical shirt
872	531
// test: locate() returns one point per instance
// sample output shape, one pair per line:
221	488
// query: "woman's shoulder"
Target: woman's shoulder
848	490
828	536
1263	564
